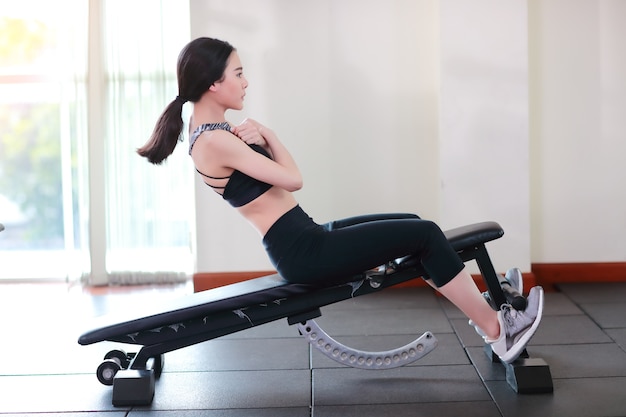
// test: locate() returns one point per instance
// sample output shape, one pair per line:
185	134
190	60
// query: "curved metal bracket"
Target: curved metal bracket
345	355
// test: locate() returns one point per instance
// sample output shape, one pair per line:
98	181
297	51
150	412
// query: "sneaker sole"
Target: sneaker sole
518	347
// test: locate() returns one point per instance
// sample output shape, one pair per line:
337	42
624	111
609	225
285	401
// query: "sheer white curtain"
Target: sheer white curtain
149	210
81	87
74	149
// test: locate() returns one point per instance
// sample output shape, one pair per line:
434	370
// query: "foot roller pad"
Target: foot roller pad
529	376
133	387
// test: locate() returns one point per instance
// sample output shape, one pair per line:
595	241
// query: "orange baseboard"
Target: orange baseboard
208	280
549	275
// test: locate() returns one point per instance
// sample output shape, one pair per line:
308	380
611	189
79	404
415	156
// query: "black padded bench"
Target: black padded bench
221	311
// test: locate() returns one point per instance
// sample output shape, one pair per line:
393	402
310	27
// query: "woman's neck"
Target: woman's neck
199	118
205	111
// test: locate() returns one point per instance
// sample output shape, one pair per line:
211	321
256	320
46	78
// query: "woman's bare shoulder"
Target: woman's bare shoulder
217	141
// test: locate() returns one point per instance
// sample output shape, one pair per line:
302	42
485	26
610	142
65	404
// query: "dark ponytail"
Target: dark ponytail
201	64
165	134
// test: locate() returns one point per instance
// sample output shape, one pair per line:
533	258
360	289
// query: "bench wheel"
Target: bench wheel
107	370
120	355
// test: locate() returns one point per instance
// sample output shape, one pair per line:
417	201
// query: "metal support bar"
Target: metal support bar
355	358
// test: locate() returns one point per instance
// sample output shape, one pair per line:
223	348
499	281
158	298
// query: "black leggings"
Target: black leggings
303	251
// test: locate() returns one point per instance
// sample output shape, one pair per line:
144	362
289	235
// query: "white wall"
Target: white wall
365	94
578	113
352	94
484	121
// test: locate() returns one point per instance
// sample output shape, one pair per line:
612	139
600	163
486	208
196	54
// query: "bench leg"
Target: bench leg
133	387
491	278
525	375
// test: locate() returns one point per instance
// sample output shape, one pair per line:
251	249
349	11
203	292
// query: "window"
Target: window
75	198
42	72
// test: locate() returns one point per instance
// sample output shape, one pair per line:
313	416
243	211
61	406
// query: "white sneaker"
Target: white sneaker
515	279
517	327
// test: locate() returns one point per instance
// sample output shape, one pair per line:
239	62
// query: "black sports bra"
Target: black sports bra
240	188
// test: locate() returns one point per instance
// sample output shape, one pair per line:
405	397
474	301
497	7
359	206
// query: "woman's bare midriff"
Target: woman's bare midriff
263	212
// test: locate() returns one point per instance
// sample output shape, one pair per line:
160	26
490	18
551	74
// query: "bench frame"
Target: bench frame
270	298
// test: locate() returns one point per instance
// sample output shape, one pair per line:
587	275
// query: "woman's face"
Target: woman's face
232	88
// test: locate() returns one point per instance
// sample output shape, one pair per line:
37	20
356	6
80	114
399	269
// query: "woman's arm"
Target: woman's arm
252	132
221	148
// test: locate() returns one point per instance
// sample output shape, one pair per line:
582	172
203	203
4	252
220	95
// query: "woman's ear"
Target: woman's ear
214	87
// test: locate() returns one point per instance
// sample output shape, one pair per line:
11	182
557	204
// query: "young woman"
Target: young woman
254	172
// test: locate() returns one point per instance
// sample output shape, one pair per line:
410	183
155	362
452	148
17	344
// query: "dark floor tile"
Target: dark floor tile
264	371
583	361
279	328
607	315
584	397
608	292
559	304
486	368
232	390
618	335
413	384
240	355
465	409
390	298
560	330
552	330
554	304
564	361
385	322
466	333
568	330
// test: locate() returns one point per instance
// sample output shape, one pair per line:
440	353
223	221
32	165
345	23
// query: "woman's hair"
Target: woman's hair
201	64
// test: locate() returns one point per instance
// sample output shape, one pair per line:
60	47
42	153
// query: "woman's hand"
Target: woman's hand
280	170
251	132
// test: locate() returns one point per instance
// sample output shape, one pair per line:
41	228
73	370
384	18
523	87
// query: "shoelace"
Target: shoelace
509	314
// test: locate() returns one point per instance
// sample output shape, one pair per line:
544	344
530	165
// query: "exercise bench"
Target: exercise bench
225	310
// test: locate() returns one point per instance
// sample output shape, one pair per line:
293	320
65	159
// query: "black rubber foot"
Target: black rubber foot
525	375
133	387
529	376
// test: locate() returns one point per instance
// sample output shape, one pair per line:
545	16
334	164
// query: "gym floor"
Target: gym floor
270	371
